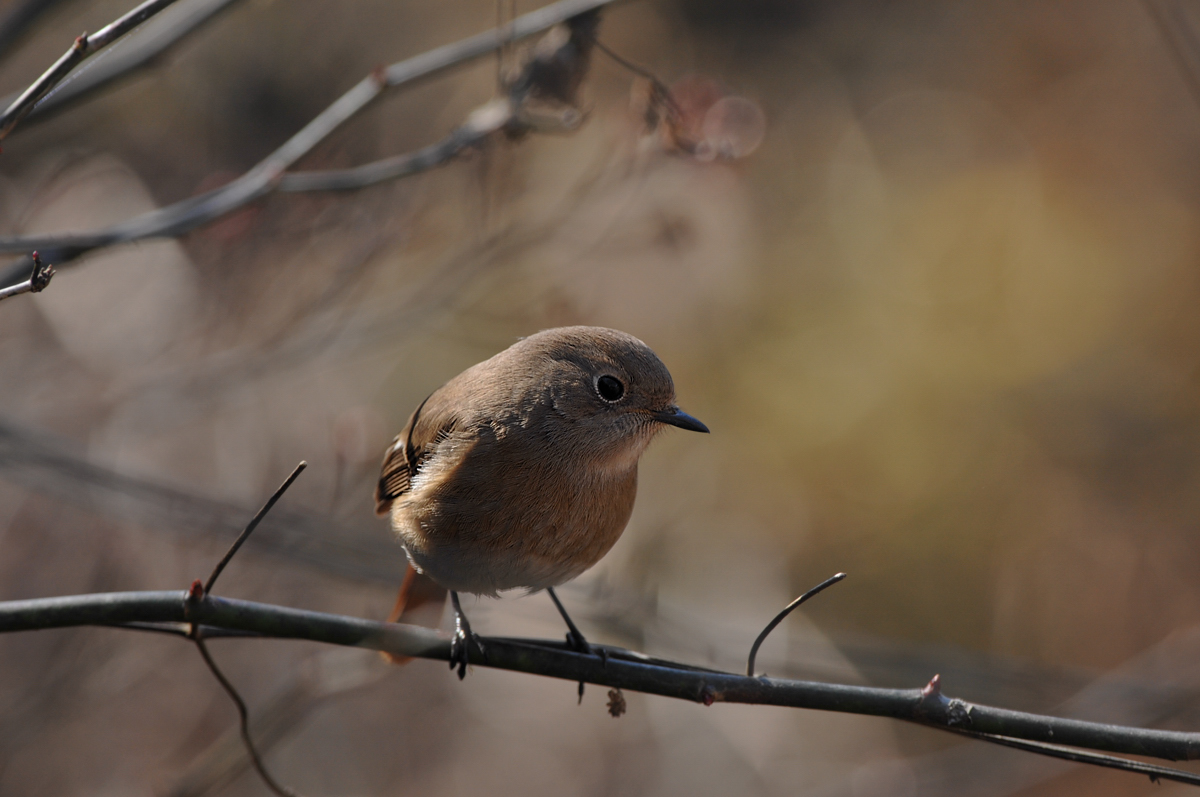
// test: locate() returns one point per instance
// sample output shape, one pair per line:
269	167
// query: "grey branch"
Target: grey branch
269	174
150	41
84	46
620	669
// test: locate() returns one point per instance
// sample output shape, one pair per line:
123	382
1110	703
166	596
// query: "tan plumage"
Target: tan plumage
519	472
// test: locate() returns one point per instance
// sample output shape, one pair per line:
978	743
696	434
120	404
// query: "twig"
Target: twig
1153	771
196	635
280	713
552	659
139	50
252	525
268	174
829	582
630	65
37	282
462	138
84	46
244	719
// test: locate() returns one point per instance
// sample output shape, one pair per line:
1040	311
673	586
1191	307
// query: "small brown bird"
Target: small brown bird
522	470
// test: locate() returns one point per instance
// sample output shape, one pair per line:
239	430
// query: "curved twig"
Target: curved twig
829	582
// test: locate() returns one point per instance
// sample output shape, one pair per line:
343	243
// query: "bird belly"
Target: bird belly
484	541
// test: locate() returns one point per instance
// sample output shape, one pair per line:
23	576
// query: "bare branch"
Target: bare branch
393	168
268	174
37	282
83	47
620	669
150	41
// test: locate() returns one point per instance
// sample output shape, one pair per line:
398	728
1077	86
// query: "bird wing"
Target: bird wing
429	425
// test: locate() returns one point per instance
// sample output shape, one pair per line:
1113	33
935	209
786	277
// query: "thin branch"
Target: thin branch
1153	771
185	630
630	65
84	46
37	282
140	49
252	525
550	658
268	174
410	163
779	618
244	719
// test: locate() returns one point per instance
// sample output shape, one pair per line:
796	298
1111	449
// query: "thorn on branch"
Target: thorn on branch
933	689
779	618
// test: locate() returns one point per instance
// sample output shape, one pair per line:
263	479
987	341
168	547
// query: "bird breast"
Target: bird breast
490	511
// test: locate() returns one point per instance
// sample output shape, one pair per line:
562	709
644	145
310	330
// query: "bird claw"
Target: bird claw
460	643
578	643
460	649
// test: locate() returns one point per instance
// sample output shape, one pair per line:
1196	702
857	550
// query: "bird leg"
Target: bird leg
463	637
575	639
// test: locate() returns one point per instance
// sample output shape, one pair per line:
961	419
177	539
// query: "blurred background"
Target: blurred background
941	320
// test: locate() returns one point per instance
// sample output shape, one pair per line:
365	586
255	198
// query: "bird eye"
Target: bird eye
610	388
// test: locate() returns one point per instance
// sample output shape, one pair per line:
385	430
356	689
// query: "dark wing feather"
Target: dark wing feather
415	444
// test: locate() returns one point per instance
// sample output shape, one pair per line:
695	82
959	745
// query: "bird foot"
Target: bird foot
578	643
460	643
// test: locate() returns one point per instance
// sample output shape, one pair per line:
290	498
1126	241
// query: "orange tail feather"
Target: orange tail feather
417	591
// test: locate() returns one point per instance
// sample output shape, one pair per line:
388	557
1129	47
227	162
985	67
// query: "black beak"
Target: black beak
677	417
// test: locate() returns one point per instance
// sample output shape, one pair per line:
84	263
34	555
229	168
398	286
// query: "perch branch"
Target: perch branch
622	669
